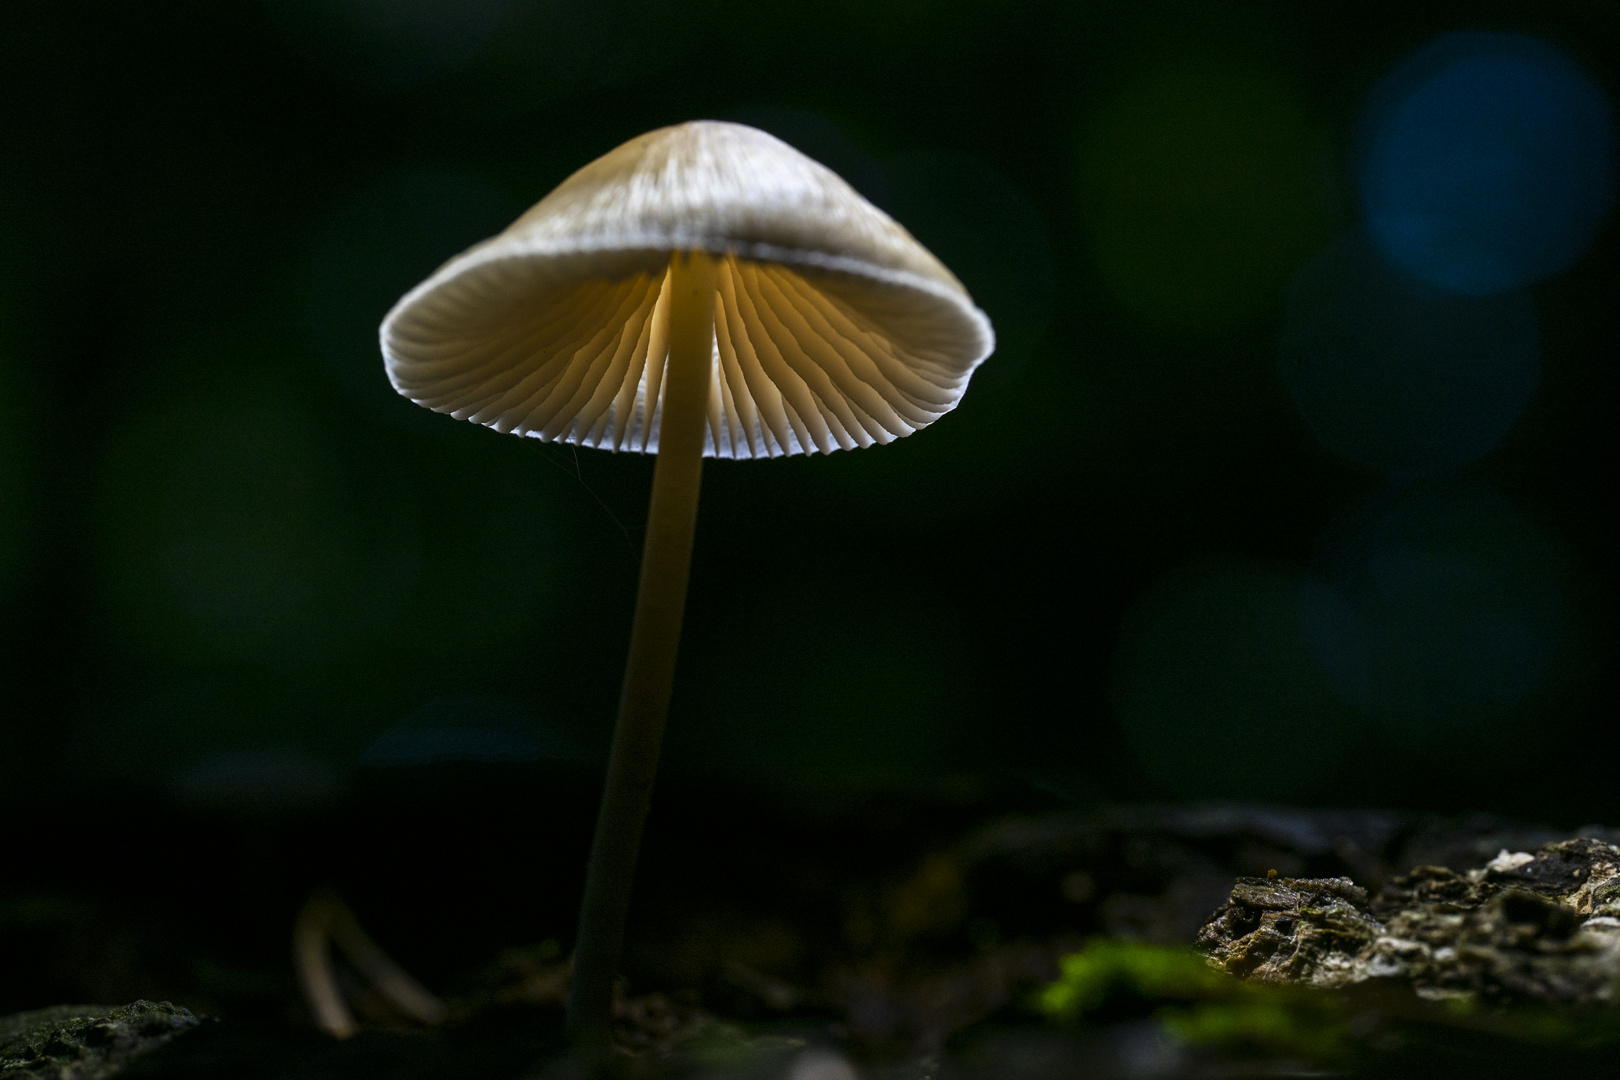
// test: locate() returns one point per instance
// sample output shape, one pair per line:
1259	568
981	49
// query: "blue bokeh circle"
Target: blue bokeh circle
1486	162
1397	376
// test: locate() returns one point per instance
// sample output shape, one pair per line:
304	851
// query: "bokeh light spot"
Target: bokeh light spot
258	781
1487	162
16	481
236	742
1217	692
1435	606
1397	376
241	525
1203	188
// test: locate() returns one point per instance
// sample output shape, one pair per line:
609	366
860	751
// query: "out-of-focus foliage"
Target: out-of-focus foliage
19	398
1218	692
232	558
1397	376
786	695
17	478
464	727
1203	185
1436	607
239	525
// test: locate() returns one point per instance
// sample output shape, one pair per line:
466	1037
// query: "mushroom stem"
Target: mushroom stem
650	669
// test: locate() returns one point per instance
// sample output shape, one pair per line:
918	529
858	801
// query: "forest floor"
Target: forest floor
897	937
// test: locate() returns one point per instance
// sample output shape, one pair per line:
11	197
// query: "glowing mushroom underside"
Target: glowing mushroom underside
834	329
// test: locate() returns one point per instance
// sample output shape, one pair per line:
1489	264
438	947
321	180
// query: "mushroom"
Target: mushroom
703	290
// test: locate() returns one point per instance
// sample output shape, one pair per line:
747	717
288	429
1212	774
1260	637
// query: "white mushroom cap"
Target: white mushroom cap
833	327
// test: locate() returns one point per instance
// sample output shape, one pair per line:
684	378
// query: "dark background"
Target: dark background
232	560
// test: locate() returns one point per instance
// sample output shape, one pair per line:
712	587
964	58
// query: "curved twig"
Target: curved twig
326	920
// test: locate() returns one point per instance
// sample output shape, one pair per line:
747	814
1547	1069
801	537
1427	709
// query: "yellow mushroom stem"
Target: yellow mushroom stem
650	670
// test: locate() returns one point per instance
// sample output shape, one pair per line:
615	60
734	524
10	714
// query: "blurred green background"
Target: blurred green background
237	570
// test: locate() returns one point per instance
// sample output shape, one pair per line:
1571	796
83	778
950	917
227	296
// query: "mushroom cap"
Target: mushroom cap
834	328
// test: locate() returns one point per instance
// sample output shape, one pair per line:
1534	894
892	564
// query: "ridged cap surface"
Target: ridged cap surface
834	328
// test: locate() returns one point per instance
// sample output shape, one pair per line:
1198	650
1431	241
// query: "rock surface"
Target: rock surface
923	962
85	1042
1526	927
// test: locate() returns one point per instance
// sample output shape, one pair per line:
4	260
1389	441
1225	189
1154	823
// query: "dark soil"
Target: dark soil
892	934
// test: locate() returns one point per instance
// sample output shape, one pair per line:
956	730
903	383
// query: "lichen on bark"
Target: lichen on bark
85	1042
1527	927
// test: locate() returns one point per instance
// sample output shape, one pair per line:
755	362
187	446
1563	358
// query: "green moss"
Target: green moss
85	1042
1193	1002
1105	969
